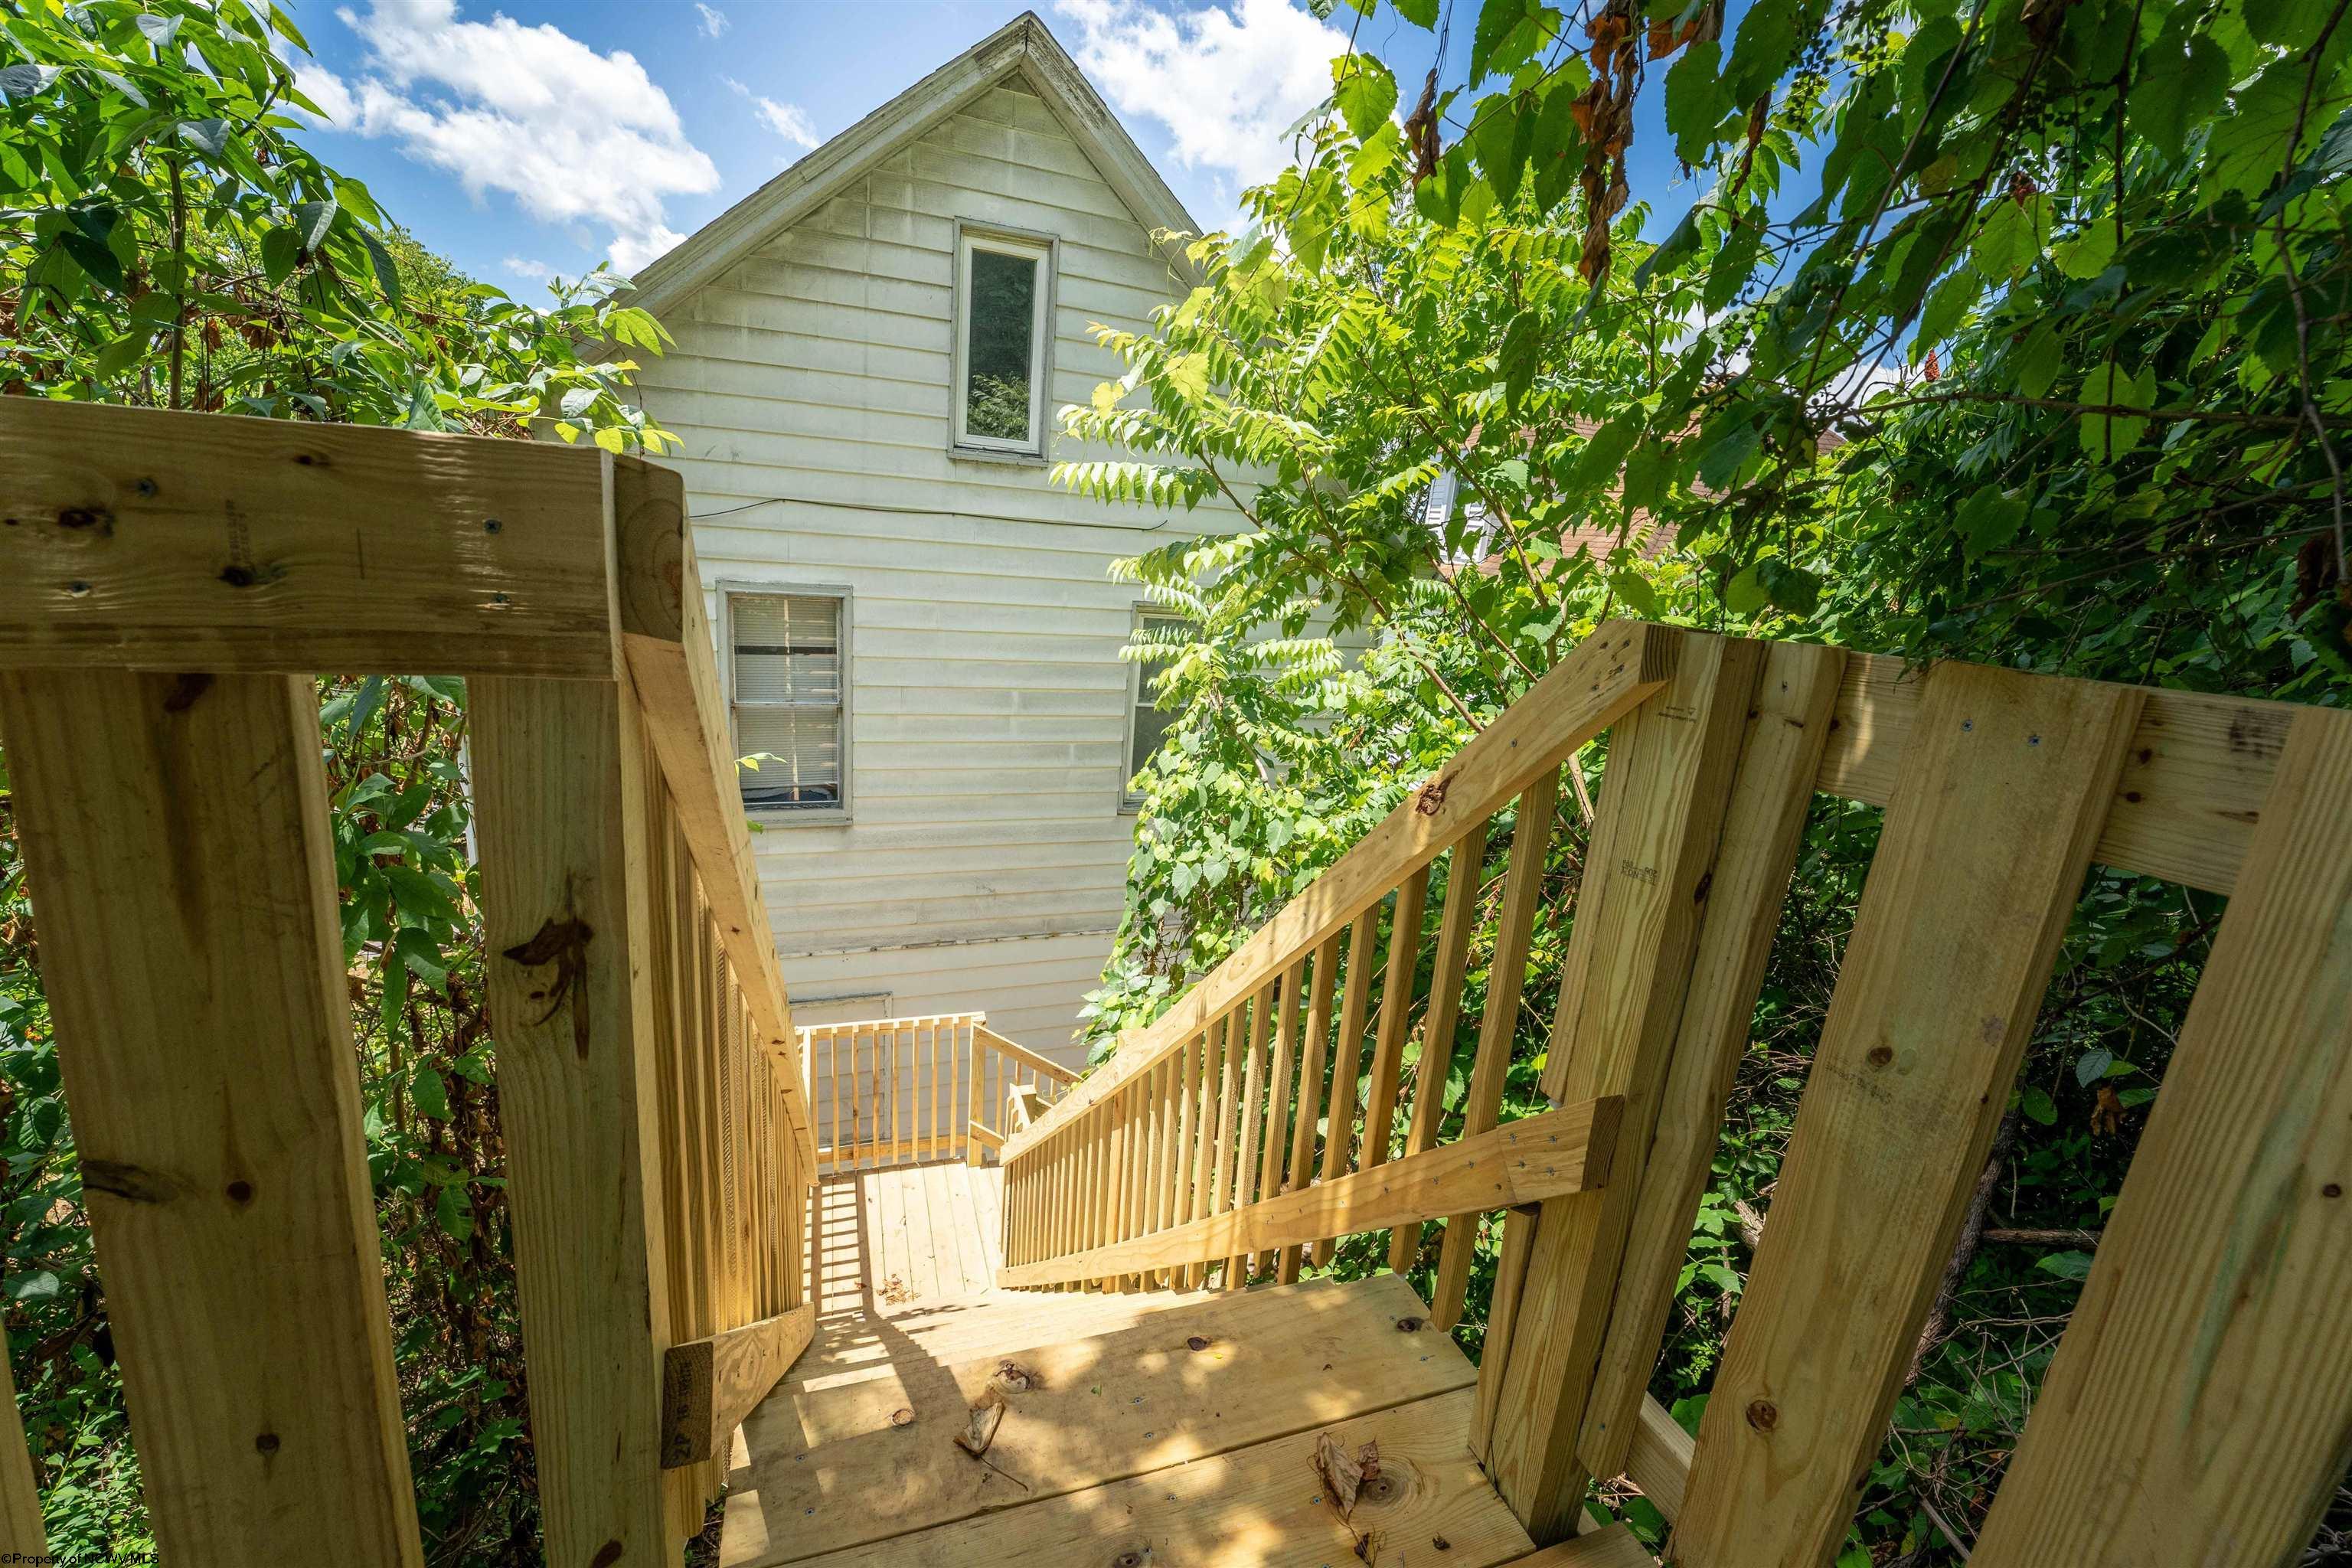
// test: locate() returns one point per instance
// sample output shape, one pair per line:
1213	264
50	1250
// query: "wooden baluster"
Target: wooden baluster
832	1074
1114	1181
1245	1166
21	1529
1280	1074
1348	1060
1464	877
1166	1092
1319	987
1205	1143
1396	1013
1221	1178
1139	1164
1522	892
1180	1170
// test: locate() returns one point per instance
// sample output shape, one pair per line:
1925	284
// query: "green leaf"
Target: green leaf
2088	252
2093	1064
2066	1265
2005	245
311	221
2036	1103
1603	454
1720	465
2292	25
2040	359
456	1213
1366	93
1420	13
429	1093
281	252
2111	436
2181	81
122	354
1990	519
1745	594
1696	103
1948	305
1636	591
209	137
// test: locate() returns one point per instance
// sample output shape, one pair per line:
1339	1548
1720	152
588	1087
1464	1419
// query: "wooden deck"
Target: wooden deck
1175	1427
888	1240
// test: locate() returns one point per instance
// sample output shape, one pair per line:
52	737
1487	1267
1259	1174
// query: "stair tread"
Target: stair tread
824	1474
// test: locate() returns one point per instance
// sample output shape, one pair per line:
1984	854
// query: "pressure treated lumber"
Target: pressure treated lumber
1564	1151
1258	1504
1044	1066
672	664
21	1529
1660	1460
146	539
2199	1409
1464	874
710	1384
1507	976
2185	805
182	872
559	797
1987	834
1609	671
839	1465
1745	884
1613	1546
1348	1057
1663	805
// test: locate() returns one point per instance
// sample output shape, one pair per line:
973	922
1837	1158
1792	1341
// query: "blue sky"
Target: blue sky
526	136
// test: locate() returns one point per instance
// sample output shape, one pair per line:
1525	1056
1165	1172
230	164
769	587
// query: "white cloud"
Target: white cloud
714	21
325	88
789	121
632	251
572	135
524	267
1226	80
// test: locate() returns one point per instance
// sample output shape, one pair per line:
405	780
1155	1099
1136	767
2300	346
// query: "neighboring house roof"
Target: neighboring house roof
1022	45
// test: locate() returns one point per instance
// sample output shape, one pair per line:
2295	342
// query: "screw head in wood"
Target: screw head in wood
1408	1325
1763	1414
1196	1343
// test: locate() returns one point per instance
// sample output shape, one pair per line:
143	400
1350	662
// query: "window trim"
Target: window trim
1130	803
727	589
1045	250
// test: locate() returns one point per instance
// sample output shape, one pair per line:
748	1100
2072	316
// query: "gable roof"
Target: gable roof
1024	46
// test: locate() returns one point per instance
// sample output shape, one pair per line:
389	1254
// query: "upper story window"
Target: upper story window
787	659
1003	285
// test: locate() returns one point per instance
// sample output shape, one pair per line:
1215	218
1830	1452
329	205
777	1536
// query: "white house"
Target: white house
917	627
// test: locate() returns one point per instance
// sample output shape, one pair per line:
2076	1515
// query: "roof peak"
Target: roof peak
1025	45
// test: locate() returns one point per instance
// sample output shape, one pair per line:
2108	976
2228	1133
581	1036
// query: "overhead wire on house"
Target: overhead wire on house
925	511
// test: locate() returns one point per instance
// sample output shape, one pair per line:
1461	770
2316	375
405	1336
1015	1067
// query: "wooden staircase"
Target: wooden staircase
676	1248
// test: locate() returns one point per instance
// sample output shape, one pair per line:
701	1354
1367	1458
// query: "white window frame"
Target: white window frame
1129	801
728	590
1046	250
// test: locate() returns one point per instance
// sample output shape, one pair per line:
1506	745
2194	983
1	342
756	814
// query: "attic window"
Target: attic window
1001	288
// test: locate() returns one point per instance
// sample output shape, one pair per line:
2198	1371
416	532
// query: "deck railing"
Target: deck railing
171	584
886	1090
1271	1109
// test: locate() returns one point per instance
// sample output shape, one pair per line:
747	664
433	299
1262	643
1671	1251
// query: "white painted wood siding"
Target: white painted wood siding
988	706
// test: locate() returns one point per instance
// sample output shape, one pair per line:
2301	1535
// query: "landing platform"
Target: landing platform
1140	1429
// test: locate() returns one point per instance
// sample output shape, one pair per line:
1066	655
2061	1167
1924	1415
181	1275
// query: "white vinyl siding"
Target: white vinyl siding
813	387
787	662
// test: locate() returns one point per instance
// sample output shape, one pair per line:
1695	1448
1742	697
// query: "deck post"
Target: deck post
181	871
20	1504
566	903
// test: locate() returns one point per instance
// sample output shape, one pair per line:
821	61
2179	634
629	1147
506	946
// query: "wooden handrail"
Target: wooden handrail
1606	676
666	639
1045	1067
1544	1156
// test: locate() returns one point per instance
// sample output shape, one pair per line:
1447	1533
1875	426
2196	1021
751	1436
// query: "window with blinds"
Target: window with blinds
788	666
